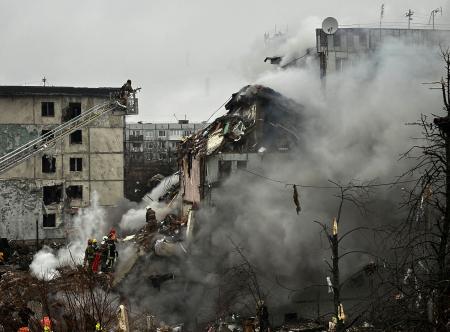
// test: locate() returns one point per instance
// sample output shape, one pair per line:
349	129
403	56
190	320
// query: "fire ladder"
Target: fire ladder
50	138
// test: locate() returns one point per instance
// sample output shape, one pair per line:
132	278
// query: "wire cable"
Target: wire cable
327	187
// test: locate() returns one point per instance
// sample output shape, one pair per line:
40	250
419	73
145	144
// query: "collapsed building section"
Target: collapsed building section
260	122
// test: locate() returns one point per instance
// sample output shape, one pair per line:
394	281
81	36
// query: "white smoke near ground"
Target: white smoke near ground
134	218
45	263
89	223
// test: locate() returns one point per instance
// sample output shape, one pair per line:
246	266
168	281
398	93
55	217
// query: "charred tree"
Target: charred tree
353	194
423	273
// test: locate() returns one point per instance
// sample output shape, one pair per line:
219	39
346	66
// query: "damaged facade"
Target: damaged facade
40	195
151	148
260	124
345	47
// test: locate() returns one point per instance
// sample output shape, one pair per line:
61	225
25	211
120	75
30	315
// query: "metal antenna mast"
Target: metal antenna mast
381	14
409	14
381	17
433	14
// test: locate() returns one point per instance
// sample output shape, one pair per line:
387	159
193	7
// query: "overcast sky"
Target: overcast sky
188	56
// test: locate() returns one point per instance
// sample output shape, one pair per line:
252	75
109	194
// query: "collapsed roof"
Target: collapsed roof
257	117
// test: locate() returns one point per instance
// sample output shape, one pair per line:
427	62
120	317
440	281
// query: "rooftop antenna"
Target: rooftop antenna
433	14
409	14
381	13
175	117
381	17
44	80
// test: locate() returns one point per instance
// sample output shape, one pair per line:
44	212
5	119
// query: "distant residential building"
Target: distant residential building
150	149
347	45
39	196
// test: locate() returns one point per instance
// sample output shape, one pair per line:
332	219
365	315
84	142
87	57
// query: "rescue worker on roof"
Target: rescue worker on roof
89	254
125	92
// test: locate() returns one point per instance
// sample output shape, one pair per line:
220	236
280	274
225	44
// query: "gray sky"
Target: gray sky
188	56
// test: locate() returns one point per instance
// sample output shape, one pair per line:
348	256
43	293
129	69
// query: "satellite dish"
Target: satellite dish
329	25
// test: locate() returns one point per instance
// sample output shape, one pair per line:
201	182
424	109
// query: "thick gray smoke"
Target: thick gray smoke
353	129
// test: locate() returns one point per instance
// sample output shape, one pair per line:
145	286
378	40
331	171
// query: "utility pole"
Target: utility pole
409	14
433	14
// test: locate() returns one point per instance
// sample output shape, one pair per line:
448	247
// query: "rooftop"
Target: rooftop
19	90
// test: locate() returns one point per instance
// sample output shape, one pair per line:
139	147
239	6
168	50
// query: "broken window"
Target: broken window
242	164
224	168
49	220
75	192
48	108
76	164
52	194
48	164
45	132
72	111
76	137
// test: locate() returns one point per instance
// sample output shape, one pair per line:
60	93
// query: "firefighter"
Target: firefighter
97	257
125	92
104	254
89	254
112	253
46	324
150	219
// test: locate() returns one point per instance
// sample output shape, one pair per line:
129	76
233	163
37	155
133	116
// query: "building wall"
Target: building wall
191	180
102	171
348	45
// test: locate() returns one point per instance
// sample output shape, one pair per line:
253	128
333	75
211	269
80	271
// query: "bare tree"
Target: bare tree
421	274
355	195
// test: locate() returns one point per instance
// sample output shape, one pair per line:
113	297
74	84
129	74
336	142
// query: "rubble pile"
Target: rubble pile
226	133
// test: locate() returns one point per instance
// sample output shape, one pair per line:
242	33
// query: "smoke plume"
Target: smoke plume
354	129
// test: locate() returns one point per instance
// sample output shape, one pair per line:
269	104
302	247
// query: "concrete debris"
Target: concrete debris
274	60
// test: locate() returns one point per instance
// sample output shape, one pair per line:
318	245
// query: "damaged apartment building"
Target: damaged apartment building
260	125
40	196
151	149
345	47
